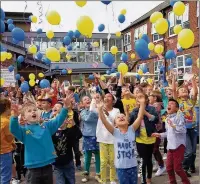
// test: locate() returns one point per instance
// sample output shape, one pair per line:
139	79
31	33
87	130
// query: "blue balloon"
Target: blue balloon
77	34
124	57
24	87
18	34
101	27
121	18
63	72
162	68
188	62
11	68
57	67
44	83
106	2
2	14
69	47
10	21
29	18
15	41
118	75
67	40
11	27
146	38
113	70
17	76
108	72
138	77
70	34
170	54
2	30
91	77
108	59
39	31
172	2
39	56
47	61
180	49
2	49
144	68
141	48
20	59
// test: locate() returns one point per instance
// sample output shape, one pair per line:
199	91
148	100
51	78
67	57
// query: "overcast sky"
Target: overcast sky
70	12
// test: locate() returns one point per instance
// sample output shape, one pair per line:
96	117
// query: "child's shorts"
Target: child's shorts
127	176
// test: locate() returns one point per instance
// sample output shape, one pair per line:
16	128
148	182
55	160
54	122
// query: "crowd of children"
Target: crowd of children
41	131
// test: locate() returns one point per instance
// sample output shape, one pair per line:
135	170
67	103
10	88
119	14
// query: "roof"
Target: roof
160	7
18	16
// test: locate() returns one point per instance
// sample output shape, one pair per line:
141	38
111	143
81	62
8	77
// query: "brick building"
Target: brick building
190	19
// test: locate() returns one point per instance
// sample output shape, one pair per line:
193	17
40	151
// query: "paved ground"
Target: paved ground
195	179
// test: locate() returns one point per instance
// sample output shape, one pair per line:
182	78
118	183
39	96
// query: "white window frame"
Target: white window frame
183	66
127	42
153	32
184	19
157	69
142	29
198	4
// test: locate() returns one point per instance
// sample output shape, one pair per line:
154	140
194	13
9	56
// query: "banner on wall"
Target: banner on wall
9	78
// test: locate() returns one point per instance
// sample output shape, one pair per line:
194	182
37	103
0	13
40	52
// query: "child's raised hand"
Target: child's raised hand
15	110
142	100
68	100
99	104
155	135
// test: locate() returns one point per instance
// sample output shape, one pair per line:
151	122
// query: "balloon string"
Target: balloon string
39	3
107	20
26	6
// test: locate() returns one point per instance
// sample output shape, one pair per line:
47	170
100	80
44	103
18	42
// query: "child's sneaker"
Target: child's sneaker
165	156
85	177
15	181
98	178
160	171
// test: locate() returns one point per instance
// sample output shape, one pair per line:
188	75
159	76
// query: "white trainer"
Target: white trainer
165	156
160	171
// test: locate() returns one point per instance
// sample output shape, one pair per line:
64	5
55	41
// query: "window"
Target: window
180	67
127	42
198	2
178	20
157	65
156	36
142	29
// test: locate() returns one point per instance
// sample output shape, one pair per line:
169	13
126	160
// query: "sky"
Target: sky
70	13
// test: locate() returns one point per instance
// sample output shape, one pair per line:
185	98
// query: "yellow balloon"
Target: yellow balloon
9	55
53	17
2	81
123	12
179	8
50	34
123	68
198	62
85	26
132	56
33	19
95	44
140	35
159	49
32	82
31	76
3	56
81	3
150	81
140	72
52	54
118	34
155	16
161	26
68	57
186	38
62	49
69	71
151	46
177	29
32	49
114	50
40	75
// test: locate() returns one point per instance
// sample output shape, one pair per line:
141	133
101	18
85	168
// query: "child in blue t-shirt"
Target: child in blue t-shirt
37	139
124	142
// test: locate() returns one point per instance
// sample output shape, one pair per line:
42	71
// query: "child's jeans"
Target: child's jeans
65	174
127	176
41	175
6	167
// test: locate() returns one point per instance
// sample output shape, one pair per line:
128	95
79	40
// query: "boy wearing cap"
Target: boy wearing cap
47	110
